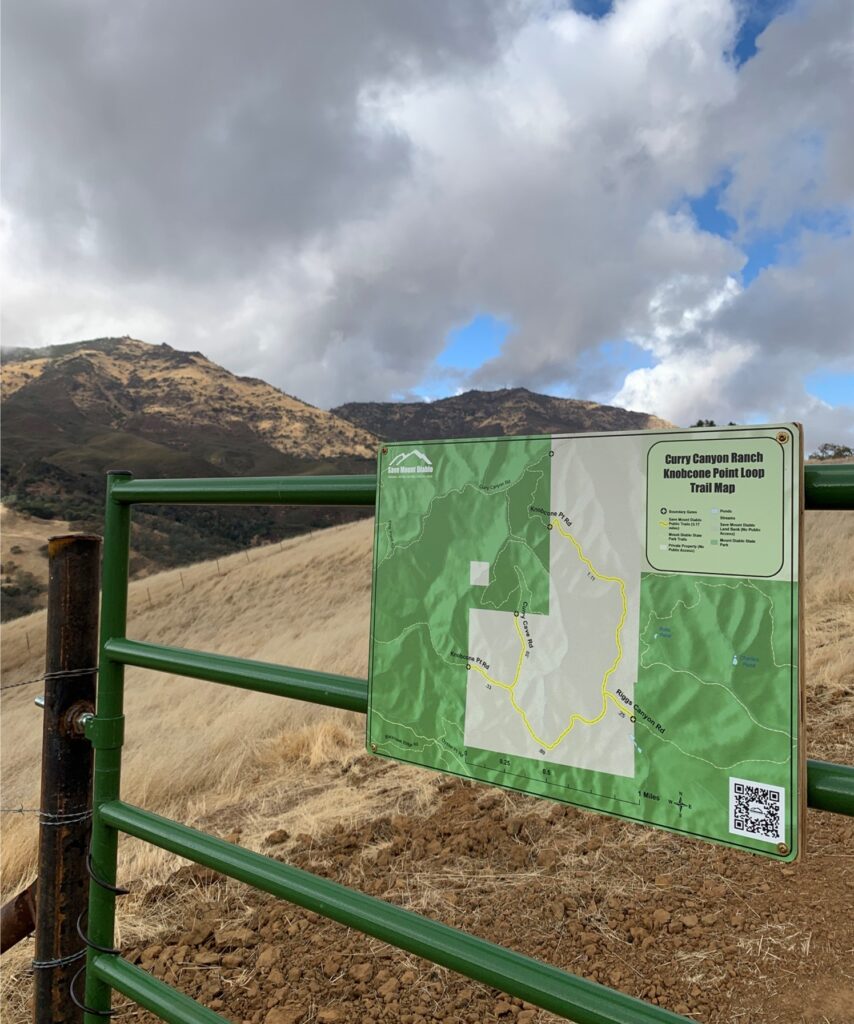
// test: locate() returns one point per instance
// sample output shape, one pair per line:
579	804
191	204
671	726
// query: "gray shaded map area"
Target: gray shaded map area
559	688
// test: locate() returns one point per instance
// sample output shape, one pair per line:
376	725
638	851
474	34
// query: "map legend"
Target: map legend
716	506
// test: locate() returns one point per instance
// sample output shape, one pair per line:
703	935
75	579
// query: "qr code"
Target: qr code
757	811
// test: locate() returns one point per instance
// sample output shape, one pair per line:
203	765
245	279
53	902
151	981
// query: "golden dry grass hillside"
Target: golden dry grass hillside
73	412
126	381
303	602
700	929
23	559
24	539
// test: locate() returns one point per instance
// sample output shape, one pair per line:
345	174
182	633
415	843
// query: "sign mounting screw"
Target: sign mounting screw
782	848
782	436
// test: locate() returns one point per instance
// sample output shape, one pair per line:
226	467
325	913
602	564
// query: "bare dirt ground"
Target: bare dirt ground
702	930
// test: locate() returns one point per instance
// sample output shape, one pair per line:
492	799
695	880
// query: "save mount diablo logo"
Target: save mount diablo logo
410	463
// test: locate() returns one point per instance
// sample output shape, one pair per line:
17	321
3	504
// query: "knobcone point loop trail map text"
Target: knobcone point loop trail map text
609	620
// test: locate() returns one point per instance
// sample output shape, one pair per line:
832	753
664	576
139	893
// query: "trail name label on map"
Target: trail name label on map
608	620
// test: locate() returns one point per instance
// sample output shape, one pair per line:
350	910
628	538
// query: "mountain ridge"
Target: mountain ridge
151	375
73	411
503	413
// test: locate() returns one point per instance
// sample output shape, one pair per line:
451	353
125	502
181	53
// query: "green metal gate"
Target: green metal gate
830	786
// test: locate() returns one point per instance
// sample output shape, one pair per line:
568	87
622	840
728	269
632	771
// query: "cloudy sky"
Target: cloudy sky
646	202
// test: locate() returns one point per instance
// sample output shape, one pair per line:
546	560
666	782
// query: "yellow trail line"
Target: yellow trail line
606	694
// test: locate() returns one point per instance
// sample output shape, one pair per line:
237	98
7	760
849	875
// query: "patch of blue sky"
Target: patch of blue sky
622	355
755	17
428	390
600	371
707	209
780	246
467	348
833	388
769	247
471	345
593	8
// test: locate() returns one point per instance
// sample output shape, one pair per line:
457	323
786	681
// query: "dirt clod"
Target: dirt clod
236	938
286	1015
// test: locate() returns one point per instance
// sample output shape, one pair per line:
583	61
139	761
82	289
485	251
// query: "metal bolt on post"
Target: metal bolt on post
66	783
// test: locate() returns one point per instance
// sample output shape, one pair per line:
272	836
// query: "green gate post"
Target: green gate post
106	731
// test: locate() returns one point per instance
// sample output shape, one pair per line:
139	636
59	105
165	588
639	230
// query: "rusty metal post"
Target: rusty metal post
18	918
66	790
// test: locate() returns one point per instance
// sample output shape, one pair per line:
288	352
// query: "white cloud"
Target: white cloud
742	353
788	136
315	194
684	383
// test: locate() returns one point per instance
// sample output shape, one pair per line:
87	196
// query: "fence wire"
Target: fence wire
59	674
50	819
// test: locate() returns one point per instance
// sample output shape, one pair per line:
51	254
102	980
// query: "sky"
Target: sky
647	202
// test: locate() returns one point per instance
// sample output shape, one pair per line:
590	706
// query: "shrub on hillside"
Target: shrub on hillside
832	451
20	593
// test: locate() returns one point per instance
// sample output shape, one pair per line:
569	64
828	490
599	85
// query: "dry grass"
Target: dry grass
247	764
829	633
193	746
209	755
30	537
23	544
305	602
829	595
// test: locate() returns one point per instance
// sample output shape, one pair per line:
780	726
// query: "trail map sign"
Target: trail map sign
609	620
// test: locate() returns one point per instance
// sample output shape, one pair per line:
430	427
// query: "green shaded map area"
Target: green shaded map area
420	630
512	642
714	697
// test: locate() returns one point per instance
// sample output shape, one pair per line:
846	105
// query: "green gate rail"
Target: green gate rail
830	787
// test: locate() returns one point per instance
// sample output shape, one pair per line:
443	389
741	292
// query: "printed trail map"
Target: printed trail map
609	620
